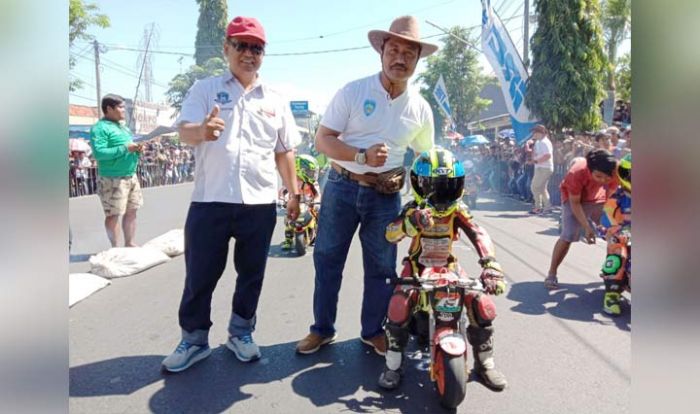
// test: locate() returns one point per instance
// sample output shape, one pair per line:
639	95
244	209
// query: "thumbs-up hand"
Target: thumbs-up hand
213	125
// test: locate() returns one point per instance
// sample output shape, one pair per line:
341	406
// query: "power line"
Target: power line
80	96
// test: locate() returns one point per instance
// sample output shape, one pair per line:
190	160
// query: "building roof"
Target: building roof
498	104
83	111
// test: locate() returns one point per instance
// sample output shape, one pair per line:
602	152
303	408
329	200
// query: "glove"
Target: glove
492	279
421	219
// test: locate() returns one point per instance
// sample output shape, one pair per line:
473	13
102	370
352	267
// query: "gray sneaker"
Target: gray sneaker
244	347
185	355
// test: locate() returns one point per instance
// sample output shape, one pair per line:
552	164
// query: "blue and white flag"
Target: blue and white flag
510	70
440	95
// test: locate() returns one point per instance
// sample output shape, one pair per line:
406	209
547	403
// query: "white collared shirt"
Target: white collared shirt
240	166
364	113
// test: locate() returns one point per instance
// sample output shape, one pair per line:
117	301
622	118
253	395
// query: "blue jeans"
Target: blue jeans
346	204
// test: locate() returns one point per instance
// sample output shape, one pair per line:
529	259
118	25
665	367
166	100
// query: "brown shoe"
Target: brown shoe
313	342
377	342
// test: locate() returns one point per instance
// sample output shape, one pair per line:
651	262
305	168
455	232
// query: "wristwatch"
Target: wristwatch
361	156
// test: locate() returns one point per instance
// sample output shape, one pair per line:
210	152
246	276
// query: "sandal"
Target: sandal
551	282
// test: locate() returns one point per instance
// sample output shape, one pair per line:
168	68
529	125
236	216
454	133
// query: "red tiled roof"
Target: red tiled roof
82	110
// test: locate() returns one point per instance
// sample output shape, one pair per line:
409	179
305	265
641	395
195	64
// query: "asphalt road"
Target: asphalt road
559	352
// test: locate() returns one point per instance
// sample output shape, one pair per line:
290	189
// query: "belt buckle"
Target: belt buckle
345	173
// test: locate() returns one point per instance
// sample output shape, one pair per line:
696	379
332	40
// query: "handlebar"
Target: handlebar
429	283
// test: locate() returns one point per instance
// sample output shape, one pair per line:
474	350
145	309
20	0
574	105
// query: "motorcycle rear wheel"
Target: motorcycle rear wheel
451	381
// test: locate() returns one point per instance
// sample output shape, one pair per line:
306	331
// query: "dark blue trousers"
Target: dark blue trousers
208	230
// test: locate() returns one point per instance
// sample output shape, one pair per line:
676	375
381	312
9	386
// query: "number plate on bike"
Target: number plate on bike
447	301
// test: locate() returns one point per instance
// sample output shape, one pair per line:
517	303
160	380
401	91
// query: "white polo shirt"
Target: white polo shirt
544	146
240	166
364	113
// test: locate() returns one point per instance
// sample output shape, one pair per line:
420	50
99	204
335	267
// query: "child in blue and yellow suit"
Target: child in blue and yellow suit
617	222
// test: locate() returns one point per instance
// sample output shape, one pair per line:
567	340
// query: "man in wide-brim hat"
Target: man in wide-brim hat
366	131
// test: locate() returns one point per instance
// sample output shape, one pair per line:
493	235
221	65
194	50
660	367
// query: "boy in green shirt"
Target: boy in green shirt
117	157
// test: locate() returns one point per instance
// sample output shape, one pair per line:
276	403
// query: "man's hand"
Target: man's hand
377	155
421	219
590	235
134	147
212	126
493	281
293	207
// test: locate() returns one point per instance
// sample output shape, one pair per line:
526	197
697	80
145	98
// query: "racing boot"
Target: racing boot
481	340
396	339
611	303
286	244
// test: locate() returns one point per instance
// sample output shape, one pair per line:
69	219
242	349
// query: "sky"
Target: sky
299	26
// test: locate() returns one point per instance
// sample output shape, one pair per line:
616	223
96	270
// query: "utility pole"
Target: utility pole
97	77
526	35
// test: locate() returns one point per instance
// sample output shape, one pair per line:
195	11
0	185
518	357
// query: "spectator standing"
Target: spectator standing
117	157
544	167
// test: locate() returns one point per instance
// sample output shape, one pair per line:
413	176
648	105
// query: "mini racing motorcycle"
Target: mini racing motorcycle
441	297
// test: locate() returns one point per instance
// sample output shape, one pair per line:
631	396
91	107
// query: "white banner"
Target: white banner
506	62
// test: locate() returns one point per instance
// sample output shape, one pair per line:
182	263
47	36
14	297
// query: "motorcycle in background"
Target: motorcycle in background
305	227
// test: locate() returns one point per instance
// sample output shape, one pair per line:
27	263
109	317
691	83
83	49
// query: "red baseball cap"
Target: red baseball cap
246	26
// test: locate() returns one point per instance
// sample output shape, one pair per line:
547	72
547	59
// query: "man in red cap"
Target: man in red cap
241	131
365	131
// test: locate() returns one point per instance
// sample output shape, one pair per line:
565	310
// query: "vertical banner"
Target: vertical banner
440	95
506	62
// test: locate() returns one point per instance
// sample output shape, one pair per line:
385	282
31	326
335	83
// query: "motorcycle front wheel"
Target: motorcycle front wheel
451	379
300	244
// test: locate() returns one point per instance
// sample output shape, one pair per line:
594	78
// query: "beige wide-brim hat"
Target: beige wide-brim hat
406	28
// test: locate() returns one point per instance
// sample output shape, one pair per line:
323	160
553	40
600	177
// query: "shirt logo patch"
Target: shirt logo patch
222	98
369	106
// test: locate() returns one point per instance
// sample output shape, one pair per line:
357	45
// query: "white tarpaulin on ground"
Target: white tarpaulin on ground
82	285
126	261
171	243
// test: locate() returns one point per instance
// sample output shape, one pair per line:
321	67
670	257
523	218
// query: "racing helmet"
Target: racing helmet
624	172
437	178
307	168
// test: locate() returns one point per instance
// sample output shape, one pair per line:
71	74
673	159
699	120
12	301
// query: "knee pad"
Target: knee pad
611	266
399	308
480	309
396	336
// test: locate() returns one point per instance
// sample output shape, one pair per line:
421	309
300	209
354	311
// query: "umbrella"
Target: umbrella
453	135
79	145
472	140
507	133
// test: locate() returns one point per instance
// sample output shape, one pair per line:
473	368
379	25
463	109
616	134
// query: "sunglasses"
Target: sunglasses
255	49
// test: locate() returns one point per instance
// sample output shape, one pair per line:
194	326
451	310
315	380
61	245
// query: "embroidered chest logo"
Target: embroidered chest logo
369	106
222	98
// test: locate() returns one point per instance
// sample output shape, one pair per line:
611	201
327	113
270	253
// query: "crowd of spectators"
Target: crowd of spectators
504	168
163	162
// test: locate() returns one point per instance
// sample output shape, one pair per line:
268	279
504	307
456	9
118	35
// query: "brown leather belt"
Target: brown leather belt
365	180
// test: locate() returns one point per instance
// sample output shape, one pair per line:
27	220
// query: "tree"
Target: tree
623	77
616	19
211	30
182	83
569	66
459	67
80	17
